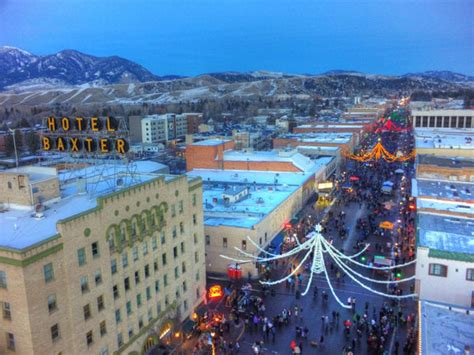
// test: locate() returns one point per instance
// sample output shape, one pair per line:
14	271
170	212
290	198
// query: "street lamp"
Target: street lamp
12	130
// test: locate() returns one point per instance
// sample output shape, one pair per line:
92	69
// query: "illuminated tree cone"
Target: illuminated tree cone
378	152
317	245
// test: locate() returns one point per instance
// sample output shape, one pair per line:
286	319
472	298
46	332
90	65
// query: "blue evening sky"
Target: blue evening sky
296	36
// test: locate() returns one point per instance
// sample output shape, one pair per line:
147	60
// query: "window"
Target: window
140	322
154	243
175	233
115	291
173	211
439	121
181	208
87	311
418	121
119	339
155	265
52	304
145	248
162	238
438	270
124	260
84	284
195	237
95	250
148	293
194	219
260	241
176	272
165	280
48	272
446	122
103	328
157	286
196	257
128	307
461	122
182	247
100	303
118	317
185	305
6	311
126	283
81	256
175	252
453	122
9	184
163	258
150	315
147	271
470	274
113	266
55	332
425	121
198	276
208	240
183	267
198	292
181	227
135	253
98	277
158	308
3	279
130	331
89	338
139	300
468	122
432	121
244	245
224	242
137	277
194	199
185	287
167	300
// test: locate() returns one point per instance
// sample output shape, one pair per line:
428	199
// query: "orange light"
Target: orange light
195	316
215	292
177	334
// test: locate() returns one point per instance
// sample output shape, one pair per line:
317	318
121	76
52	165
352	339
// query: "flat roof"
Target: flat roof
449	190
267	190
211	142
342	126
35	173
446	233
318	148
20	229
442	139
451	162
445	329
299	160
323	137
445	206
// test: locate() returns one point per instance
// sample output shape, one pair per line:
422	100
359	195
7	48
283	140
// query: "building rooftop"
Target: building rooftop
445	206
20	228
211	142
438	112
446	233
445	329
450	162
341	126
444	190
340	137
318	148
267	190
442	139
302	162
34	173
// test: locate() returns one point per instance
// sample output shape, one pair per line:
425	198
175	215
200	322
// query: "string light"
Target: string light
379	152
318	246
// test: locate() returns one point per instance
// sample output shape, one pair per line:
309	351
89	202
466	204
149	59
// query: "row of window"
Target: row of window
243	245
447	122
442	270
81	253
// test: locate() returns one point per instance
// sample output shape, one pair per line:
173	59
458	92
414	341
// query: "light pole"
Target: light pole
14	145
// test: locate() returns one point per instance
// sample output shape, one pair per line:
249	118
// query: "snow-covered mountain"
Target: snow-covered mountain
68	67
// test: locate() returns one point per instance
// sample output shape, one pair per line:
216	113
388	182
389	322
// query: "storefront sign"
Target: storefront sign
215	292
83	135
325	186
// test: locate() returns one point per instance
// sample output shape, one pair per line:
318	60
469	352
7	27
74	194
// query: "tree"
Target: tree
10	144
32	142
23	123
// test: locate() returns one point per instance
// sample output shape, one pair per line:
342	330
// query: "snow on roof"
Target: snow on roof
267	190
339	126
445	206
446	233
323	137
445	329
21	230
302	162
318	148
442	139
211	142
446	190
34	173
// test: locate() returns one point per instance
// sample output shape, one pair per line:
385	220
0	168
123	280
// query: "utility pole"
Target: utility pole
14	145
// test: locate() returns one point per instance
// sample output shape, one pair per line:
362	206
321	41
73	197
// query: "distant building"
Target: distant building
98	260
167	127
193	121
455	143
323	127
343	140
444	119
